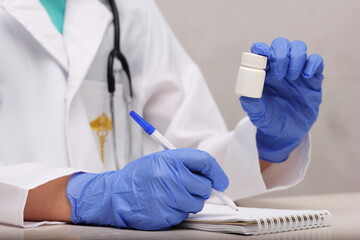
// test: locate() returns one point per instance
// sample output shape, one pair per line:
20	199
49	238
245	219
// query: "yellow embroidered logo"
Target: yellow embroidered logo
102	125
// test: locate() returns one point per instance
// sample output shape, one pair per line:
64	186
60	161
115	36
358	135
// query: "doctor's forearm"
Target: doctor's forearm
48	202
264	165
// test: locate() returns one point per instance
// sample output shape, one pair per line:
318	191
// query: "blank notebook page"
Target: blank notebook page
251	221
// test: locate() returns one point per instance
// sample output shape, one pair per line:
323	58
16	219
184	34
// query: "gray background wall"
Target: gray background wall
216	32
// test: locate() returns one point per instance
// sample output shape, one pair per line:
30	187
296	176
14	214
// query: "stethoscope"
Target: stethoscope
114	55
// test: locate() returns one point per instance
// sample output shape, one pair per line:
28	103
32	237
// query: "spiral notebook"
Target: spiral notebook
254	221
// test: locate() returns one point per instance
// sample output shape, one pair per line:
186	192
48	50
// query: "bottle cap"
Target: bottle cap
253	60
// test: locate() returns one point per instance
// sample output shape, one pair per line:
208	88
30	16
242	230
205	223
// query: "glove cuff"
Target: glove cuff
274	150
91	199
77	184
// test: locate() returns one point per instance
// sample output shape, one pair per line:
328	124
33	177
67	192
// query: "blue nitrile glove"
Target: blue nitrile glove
154	192
290	102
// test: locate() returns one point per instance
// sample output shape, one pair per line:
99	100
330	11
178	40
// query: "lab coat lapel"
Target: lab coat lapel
85	24
34	18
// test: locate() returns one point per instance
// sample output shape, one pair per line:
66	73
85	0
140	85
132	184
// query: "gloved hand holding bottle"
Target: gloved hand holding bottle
290	102
154	192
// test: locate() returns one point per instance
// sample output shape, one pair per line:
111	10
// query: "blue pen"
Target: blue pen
160	139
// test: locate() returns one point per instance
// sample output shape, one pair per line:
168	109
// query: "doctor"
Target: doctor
60	149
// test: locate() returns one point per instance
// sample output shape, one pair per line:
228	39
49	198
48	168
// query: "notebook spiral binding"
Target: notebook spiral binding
293	222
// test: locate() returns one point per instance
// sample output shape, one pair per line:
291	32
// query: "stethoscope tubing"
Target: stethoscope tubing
111	82
116	53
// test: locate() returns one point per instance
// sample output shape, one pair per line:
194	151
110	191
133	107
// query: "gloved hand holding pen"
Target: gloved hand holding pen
154	192
290	102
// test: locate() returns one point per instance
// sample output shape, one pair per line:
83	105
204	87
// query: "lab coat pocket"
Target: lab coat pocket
97	104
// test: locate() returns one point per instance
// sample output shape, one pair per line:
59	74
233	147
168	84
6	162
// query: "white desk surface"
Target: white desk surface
345	224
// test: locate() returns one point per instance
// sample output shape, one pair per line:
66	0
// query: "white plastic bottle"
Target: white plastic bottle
251	76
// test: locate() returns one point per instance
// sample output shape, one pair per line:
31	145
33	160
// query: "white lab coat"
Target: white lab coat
53	86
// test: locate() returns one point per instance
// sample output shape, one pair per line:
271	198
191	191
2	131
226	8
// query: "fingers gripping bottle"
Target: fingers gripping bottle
251	76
